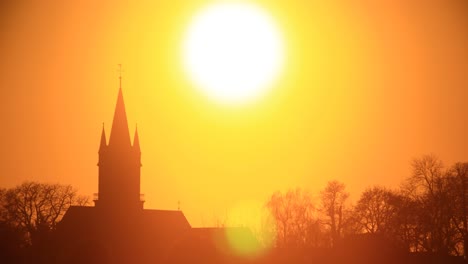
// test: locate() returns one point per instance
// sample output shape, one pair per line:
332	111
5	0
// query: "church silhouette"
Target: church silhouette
117	229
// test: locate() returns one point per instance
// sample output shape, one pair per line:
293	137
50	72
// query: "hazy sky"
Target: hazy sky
367	86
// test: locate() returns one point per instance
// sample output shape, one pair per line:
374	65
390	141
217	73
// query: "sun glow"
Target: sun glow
233	52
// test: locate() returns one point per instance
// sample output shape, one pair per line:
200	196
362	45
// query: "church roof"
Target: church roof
147	236
78	214
166	218
148	221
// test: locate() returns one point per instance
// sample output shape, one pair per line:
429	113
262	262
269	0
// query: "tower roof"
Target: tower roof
119	135
103	139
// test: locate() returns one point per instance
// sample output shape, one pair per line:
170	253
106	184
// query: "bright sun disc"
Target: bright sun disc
233	51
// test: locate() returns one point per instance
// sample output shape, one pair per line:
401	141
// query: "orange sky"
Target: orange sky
367	87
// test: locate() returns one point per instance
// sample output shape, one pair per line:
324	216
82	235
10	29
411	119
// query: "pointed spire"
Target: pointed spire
119	133
136	140
120	76
103	139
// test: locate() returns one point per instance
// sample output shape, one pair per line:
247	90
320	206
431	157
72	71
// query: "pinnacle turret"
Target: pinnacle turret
136	140
103	144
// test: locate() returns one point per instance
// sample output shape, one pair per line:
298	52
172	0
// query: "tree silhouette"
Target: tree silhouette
427	175
376	209
36	208
296	221
458	185
334	198
427	217
11	239
389	214
429	186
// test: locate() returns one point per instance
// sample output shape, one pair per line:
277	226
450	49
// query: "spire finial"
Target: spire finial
120	75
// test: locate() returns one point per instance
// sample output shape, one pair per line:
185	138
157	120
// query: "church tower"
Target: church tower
119	165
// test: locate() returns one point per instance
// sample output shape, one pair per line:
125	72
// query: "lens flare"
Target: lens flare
252	229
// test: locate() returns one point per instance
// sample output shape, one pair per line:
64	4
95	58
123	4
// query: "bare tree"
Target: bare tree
296	222
427	174
403	228
390	214
458	177
429	186
2	205
375	210
334	198
36	208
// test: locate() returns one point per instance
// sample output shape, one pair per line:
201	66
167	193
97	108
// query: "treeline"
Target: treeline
427	213
29	214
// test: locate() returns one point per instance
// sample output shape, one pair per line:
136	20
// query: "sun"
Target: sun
233	52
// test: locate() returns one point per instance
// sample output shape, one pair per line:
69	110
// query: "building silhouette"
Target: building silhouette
117	229
119	165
